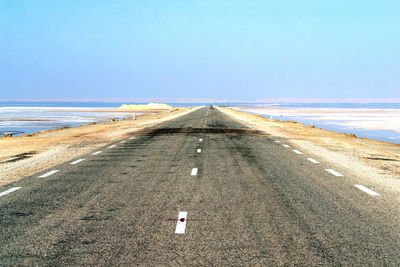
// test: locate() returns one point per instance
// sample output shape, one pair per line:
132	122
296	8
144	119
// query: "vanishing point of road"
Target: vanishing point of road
202	189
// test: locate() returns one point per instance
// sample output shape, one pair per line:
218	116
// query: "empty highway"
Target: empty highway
202	189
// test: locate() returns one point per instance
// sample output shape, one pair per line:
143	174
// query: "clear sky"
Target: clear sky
216	49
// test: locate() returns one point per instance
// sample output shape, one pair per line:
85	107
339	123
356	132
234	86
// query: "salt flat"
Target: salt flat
371	119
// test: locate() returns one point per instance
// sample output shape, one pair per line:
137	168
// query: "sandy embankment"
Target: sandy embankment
25	155
376	161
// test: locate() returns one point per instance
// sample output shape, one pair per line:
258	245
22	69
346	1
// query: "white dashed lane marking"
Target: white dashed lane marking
297	152
97	152
312	160
201	139
48	173
111	146
199	150
333	172
366	190
123	141
181	224
277	141
132	138
12	189
77	161
285	145
194	172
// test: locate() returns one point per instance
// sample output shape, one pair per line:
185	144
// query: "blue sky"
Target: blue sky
244	50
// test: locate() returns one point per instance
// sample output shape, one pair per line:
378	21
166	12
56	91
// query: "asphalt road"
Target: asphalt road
249	201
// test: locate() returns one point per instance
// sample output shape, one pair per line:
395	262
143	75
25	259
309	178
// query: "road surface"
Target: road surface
202	189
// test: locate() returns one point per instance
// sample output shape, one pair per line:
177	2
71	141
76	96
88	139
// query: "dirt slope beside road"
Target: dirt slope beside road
25	155
376	161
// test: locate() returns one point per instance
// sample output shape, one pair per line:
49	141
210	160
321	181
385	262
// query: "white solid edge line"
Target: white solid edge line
366	190
199	150
181	226
285	145
97	152
123	141
297	152
77	161
111	146
194	172
333	172
313	160
48	173
132	138
12	189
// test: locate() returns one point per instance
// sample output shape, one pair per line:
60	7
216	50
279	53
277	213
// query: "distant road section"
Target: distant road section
202	189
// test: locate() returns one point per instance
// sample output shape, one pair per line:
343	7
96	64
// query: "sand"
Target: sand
371	161
28	154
